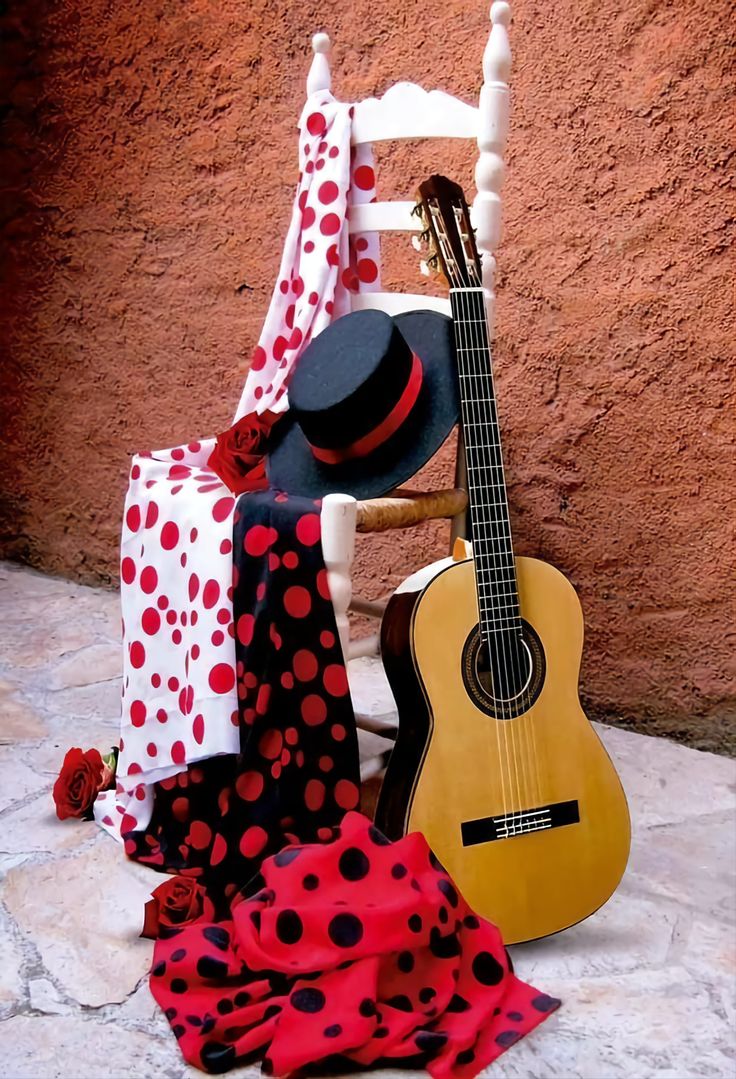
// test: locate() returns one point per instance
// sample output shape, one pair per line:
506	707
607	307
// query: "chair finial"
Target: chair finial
319	77
500	13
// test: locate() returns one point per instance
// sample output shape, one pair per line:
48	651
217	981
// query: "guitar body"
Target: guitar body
522	806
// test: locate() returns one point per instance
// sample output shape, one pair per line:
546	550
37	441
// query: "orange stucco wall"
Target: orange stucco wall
148	163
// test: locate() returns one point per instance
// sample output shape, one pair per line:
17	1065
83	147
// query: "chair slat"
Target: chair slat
407	111
395	303
383	217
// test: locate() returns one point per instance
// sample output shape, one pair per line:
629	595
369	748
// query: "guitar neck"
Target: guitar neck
495	569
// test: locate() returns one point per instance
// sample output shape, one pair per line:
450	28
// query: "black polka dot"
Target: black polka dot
487	969
380	1032
170	1013
401	1002
289	927
310	882
435	862
426	994
405	962
217	936
217	1058
443	947
242	998
466	1057
345	930
208	1025
470	921
166	932
415	923
333	1031
515	1017
378	837
367	1007
224	1007
209	967
543	1003
178	955
194	1020
271	1010
458	1004
177	1030
398	871
286	857
430	1041
159	970
353	864
444	916
507	1038
308	1000
448	891
178	985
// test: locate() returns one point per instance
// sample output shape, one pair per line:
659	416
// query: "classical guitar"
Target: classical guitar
495	761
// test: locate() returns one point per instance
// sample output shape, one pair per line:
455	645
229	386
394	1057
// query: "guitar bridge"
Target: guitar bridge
519	822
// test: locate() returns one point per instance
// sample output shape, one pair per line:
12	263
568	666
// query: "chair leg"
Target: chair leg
338	548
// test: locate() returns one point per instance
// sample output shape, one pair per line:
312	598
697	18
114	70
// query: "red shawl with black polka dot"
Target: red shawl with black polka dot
320	938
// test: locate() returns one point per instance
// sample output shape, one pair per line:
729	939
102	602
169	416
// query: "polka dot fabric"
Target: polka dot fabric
321	265
294	772
179	702
355	949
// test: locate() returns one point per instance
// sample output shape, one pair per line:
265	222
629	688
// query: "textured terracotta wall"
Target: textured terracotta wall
148	163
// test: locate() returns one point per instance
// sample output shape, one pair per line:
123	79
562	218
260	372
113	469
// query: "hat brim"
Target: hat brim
292	466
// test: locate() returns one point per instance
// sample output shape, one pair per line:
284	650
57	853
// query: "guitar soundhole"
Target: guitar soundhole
504	680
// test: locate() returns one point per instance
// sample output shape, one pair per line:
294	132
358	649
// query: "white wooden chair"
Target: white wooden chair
406	111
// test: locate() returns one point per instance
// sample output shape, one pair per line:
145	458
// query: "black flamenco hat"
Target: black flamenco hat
371	400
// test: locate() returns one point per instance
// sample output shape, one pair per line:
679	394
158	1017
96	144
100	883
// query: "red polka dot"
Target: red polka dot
152	514
279	348
335	680
180	808
329	225
222	508
225	548
270	744
326	764
314	794
249	786
258	359
193	586
308	529
161	715
264	696
333	259
171	617
149	579
178	454
346	794
367	270
297	601
308	217
328	192
173	684
137	655
253	841
211	594
338	732
364	177
326	639
186	700
245	628
137	713
151	749
127	570
133	518
178	753
316	124
323	584
151	621
291	735
314	710
219	850
223	616
258	539
222	678
169	536
287	680
291	560
276	769
200	834
217	638
305	665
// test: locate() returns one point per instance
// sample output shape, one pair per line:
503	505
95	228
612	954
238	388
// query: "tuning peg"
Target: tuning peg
418	210
416	243
433	262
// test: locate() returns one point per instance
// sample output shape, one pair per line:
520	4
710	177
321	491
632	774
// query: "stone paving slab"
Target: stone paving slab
648	983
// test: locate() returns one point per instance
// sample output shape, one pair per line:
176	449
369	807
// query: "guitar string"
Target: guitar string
527	736
475	415
471	412
488	470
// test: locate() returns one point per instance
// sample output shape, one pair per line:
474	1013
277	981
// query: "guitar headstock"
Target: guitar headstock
448	232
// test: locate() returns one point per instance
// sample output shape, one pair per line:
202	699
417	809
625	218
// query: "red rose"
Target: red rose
82	776
238	456
176	902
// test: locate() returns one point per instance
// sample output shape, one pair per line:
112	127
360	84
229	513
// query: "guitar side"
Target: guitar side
454	764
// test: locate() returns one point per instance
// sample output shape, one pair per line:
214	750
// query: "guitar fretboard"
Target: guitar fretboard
495	570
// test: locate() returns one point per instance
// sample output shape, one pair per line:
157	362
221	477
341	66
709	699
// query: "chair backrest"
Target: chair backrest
406	111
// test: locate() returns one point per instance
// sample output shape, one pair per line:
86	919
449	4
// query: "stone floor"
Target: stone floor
647	983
